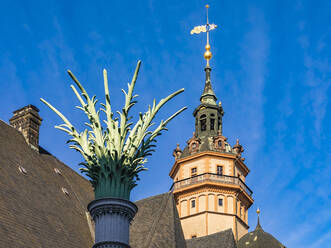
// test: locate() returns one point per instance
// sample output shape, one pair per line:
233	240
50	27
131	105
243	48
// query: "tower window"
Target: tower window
220	202
219	143
193	203
220	170
193	236
203	123
194	171
212	124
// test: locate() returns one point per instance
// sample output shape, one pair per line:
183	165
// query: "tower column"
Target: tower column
112	218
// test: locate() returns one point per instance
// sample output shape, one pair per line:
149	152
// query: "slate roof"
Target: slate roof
157	224
224	239
34	211
259	239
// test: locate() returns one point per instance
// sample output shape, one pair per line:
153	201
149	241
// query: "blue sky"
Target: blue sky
271	70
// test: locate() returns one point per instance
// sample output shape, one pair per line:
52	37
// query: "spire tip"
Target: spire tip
258	226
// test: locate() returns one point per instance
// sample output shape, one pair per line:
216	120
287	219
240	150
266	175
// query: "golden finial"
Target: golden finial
258	226
205	28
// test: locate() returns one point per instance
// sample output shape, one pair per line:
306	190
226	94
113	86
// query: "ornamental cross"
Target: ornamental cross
206	29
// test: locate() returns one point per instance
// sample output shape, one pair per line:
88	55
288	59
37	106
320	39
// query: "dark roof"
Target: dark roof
207	145
259	239
157	224
222	239
34	211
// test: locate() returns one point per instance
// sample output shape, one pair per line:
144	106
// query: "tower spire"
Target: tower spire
258	226
208	152
207	53
208	114
208	96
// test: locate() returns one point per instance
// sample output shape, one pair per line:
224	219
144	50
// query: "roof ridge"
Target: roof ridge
64	164
210	235
10	126
150	197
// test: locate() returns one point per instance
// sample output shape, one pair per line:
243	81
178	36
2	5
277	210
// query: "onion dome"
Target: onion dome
259	238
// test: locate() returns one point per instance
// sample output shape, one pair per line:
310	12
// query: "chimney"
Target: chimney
28	121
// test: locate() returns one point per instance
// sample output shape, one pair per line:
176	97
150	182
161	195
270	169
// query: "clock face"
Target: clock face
194	145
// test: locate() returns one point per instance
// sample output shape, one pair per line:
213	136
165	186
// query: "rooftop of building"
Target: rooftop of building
224	239
43	204
259	239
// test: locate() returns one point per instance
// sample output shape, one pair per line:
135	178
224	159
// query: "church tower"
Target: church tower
209	175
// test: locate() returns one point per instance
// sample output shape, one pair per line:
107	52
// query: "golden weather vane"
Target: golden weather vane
206	29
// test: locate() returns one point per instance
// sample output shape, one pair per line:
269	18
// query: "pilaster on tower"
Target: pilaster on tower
209	174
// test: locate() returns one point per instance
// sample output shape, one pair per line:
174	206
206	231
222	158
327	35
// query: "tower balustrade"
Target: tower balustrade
211	177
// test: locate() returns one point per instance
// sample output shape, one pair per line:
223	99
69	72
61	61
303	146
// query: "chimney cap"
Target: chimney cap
27	107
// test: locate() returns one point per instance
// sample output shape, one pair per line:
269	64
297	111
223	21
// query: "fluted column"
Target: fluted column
112	217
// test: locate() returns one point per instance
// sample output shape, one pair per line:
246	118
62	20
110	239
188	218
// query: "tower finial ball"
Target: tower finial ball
207	6
207	55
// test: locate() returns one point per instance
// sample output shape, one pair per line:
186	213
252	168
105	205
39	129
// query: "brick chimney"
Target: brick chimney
28	121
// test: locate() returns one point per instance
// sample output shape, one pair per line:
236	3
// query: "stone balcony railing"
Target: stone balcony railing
211	177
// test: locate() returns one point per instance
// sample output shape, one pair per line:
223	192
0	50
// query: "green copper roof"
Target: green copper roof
208	96
207	145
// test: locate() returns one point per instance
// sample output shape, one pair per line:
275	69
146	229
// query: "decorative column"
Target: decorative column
112	217
114	153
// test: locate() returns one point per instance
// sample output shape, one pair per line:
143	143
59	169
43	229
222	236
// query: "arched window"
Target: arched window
212	123
203	123
193	203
